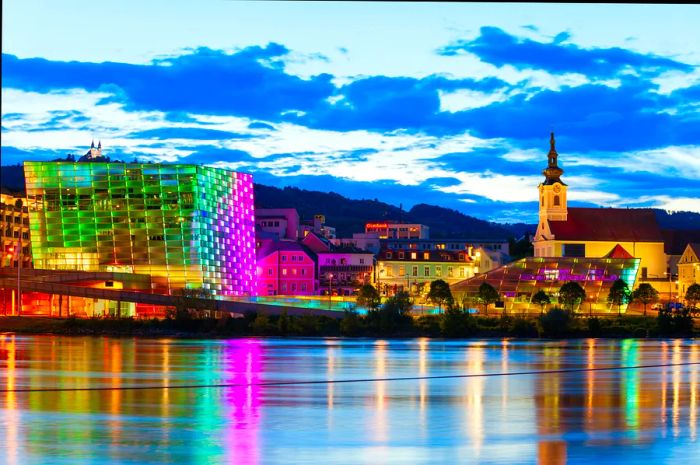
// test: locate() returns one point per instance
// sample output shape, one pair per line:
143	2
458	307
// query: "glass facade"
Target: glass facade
518	282
186	226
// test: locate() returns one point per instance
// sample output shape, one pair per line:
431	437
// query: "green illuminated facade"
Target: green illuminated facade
184	225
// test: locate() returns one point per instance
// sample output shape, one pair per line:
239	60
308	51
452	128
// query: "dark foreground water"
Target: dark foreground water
647	415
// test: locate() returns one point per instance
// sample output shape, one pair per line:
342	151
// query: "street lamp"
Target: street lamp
670	298
330	289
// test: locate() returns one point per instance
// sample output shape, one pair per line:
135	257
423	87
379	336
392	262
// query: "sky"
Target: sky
449	104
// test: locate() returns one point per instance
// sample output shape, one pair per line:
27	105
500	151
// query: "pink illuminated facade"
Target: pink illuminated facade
286	268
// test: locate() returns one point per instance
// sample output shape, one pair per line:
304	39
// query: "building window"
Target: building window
388	255
303	285
426	255
284	272
542	200
303	272
414	271
284	258
269	271
402	270
556	200
438	271
450	272
461	272
644	272
413	255
362	261
401	255
573	250
426	271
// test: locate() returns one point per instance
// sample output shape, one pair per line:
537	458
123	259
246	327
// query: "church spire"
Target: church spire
99	145
92	146
552	173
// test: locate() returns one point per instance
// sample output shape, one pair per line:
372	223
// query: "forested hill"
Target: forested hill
349	216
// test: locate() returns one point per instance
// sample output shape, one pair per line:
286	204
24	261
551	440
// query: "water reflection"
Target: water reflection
555	417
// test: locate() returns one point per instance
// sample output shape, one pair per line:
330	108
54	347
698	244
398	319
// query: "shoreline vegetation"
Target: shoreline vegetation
385	322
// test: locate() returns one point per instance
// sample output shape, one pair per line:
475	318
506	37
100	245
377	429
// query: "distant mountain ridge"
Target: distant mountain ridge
349	215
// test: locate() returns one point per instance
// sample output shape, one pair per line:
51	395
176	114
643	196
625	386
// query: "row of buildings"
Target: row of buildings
194	227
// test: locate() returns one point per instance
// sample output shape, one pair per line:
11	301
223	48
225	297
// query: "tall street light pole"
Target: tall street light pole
330	289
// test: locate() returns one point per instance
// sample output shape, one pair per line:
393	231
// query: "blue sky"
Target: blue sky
442	103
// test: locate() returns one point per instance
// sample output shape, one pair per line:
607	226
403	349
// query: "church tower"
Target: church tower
552	191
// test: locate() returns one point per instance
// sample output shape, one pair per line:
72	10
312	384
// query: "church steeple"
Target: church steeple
552	192
552	173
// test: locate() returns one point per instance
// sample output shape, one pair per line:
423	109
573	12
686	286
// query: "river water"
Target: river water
561	403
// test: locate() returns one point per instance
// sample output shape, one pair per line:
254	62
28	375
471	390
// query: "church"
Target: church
596	232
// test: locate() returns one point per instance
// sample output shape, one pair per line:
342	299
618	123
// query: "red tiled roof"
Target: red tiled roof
618	252
608	224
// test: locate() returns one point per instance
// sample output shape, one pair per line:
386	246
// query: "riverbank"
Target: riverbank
554	324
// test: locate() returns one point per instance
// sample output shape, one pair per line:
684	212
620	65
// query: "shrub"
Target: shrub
522	327
556	322
457	323
351	324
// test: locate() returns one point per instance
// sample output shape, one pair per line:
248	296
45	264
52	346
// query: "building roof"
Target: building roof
608	224
619	252
283	246
433	255
676	240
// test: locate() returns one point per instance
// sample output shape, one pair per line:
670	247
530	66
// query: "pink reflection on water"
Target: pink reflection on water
243	402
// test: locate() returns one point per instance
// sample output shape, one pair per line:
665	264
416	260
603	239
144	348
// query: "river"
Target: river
418	401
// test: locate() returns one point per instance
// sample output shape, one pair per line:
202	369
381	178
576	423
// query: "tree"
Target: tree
369	297
542	299
440	293
692	295
619	294
487	295
645	294
571	294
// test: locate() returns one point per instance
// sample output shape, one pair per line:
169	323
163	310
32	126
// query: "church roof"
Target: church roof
618	252
608	224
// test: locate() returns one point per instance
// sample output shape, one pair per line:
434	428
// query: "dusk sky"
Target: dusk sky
449	104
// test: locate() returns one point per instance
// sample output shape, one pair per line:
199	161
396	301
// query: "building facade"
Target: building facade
387	230
14	232
185	226
286	268
413	270
688	269
496	245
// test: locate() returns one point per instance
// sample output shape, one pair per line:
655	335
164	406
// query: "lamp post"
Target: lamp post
670	298
330	289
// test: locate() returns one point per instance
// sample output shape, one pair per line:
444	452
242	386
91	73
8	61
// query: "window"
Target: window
438	271
303	272
426	271
573	250
269	271
303	285
413	255
401	255
284	258
284	287
426	255
277	223
414	271
362	261
284	272
644	272
294	271
461	272
556	200
402	270
389	255
542	200
450	272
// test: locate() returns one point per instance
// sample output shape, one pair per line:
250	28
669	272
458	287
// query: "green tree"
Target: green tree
487	295
369	297
542	299
571	294
692	295
645	294
619	294
440	293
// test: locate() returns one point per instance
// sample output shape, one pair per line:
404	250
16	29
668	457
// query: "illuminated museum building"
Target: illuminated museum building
185	226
